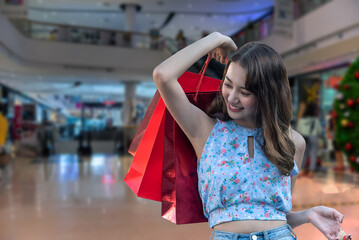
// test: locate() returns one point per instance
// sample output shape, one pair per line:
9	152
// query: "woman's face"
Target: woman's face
241	103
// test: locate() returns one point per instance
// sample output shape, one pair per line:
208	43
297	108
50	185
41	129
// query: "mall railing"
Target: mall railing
88	35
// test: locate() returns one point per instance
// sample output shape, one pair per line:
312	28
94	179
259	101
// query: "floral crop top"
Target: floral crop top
235	187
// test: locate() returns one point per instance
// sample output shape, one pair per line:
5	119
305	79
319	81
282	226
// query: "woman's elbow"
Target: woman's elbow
158	75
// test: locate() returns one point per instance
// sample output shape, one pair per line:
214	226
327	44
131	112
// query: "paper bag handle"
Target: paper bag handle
203	70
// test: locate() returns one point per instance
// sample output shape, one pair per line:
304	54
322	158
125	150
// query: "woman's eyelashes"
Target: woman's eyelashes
227	85
242	92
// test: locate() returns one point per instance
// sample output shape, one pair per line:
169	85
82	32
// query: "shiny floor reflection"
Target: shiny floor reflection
66	197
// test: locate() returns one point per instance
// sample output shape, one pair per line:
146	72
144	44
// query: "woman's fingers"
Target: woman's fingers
339	216
214	55
219	55
230	44
233	46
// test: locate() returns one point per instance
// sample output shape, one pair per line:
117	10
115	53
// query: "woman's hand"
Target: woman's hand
220	53
327	220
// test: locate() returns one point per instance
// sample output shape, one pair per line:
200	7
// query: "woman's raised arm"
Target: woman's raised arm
191	119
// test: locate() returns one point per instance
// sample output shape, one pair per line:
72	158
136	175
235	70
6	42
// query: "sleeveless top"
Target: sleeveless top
233	186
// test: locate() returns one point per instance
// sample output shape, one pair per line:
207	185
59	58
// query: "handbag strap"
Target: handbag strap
203	70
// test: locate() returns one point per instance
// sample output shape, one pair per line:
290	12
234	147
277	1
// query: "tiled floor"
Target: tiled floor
67	198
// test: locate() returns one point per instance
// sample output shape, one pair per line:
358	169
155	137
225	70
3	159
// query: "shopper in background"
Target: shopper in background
181	39
4	128
309	127
337	152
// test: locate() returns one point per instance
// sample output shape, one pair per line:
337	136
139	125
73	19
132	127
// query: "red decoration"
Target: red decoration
350	103
334	114
346	86
356	74
352	158
357	100
349	146
333	81
336	86
350	124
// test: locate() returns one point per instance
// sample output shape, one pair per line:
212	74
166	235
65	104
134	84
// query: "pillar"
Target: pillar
129	103
130	26
128	109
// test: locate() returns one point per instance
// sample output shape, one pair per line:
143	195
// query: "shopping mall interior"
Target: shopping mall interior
76	83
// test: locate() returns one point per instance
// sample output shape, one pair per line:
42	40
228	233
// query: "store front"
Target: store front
319	88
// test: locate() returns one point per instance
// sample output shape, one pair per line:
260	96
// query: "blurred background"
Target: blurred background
76	81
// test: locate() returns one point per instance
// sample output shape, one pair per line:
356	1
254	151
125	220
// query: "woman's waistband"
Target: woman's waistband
270	234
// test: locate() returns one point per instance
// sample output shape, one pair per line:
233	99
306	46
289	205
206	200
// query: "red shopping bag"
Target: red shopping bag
144	123
181	202
145	174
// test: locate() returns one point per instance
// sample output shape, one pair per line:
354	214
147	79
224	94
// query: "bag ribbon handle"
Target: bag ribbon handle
203	70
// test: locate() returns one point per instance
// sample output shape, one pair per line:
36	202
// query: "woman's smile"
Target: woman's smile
234	109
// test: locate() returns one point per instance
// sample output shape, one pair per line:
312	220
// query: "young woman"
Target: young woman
248	156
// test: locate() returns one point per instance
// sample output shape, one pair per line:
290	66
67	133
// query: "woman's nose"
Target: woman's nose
233	97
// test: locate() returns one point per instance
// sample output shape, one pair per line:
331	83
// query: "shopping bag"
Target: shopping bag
144	123
145	173
181	202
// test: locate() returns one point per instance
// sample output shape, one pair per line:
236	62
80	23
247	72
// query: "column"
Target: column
129	103
130	26
128	109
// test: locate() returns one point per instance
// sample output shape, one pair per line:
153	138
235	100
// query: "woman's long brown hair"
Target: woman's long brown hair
266	77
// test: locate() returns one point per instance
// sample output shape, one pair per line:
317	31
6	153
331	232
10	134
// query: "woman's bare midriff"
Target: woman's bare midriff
249	226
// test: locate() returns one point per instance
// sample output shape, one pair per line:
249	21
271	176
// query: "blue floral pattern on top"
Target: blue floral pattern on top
234	186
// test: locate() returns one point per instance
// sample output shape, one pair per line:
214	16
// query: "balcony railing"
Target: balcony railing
88	35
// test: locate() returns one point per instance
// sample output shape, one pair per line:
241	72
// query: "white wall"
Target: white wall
333	17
